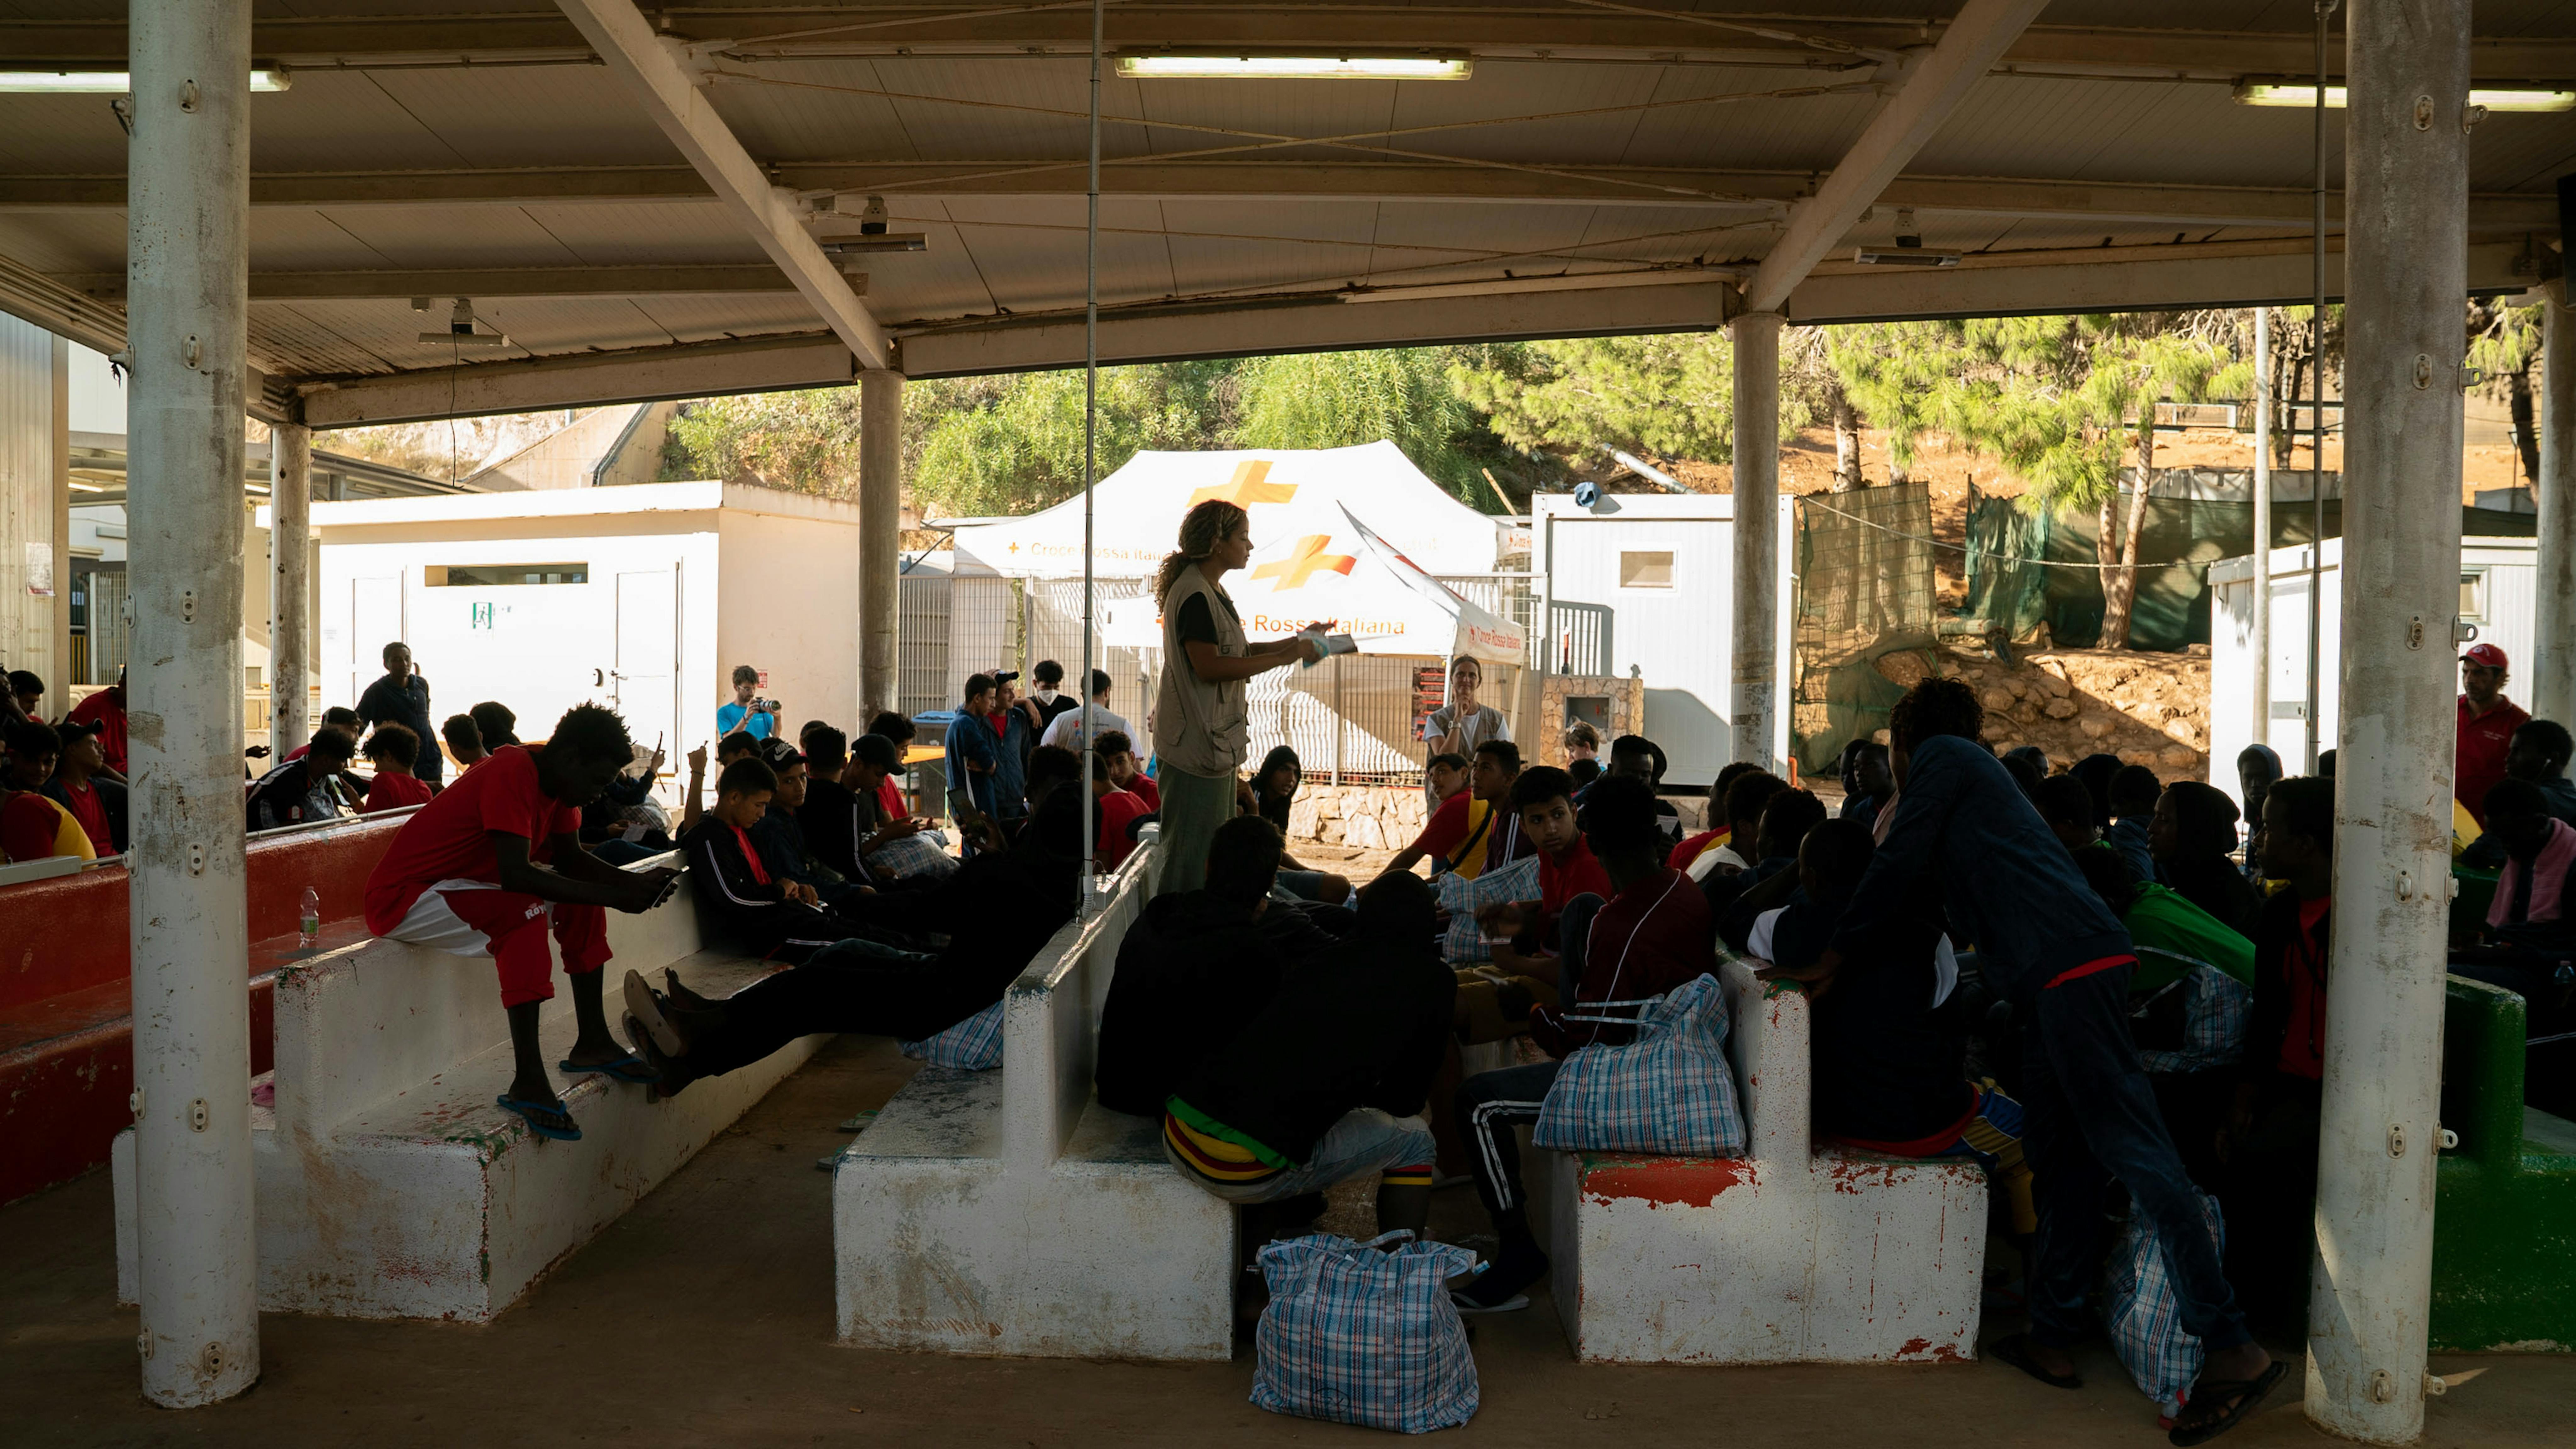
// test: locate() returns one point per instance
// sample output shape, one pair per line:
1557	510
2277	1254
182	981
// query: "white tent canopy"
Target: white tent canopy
1296	499
1354	582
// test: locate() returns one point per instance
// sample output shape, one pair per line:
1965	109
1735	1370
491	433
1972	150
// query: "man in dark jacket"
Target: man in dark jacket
998	911
746	901
1328	1081
1654	934
2270	1140
2047	943
401	697
1193	969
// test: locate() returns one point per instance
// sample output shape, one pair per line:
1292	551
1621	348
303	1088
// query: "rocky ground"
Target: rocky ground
2148	709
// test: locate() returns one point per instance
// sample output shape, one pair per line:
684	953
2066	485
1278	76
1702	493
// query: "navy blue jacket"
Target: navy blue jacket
2006	883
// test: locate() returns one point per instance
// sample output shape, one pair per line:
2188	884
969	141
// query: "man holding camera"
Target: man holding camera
747	711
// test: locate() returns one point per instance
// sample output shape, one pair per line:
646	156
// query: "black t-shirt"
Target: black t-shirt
1197	623
405	702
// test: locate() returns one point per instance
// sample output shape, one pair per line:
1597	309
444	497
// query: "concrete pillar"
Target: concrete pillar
2262	692
188	207
2406	269
880	507
2553	661
290	590
1755	702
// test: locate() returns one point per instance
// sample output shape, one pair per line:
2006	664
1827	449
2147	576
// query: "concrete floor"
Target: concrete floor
705	1318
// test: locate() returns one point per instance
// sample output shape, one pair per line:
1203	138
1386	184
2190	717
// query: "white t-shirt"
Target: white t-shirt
1487	723
1063	729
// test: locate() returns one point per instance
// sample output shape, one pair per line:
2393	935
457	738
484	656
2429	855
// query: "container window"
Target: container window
2473	596
1640	569
494	576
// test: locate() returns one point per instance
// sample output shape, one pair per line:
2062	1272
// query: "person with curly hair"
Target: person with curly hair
2050	946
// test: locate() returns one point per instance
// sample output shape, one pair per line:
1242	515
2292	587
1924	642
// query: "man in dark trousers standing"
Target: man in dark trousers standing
1963	833
402	697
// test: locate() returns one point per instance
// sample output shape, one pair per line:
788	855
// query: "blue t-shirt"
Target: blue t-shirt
730	717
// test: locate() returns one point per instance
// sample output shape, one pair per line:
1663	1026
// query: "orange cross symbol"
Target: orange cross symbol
1306	557
1246	487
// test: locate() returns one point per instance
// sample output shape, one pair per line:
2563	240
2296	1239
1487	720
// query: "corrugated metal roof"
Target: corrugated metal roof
981	151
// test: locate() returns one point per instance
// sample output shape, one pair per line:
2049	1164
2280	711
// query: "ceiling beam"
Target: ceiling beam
648	374
1538	30
639	60
657	281
1933	86
1145	178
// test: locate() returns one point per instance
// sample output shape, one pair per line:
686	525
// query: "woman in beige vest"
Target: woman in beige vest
1201	730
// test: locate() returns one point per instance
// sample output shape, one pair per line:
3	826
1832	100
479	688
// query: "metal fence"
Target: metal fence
1864	589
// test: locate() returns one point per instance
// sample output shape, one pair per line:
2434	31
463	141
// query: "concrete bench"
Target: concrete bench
391	1185
1008	1213
1792	1254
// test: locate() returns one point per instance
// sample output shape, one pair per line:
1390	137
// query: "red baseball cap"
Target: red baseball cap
2486	654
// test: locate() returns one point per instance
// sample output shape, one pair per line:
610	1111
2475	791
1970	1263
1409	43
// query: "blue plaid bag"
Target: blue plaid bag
1669	1090
1462	898
974	1044
2144	1314
1358	1336
2215	1009
912	856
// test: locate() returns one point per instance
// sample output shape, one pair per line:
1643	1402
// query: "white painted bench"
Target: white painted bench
391	1185
1794	1254
1006	1212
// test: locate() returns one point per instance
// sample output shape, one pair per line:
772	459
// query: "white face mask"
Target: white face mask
1043	695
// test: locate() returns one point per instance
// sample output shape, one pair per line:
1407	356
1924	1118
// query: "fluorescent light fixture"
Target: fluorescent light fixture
1904	256
103	82
79	487
468	338
1295	67
2297	96
901	241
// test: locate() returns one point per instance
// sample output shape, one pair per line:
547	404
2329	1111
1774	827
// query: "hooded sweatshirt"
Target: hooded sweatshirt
1191	972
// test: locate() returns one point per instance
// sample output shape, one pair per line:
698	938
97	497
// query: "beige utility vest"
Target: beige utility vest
1200	727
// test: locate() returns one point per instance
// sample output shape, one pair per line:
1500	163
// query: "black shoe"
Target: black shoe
683	997
672	1073
1502	1287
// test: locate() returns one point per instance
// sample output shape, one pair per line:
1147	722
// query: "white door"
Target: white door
647	671
1668	581
375	620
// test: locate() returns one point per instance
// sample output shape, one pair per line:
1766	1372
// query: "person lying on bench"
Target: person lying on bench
1328	1080
1543	799
998	911
486	867
1192	970
1653	935
2046	943
1890	1066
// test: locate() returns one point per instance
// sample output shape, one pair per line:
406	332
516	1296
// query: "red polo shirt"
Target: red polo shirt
2483	741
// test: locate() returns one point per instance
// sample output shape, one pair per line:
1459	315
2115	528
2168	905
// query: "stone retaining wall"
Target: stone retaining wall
1369	817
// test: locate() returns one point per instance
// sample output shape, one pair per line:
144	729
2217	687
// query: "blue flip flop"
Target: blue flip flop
535	1114
628	1068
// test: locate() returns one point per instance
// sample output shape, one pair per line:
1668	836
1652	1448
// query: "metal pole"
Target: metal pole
290	587
58	668
2553	674
2405	271
187	281
2262	526
2317	417
1341	722
880	503
1090	441
1757	532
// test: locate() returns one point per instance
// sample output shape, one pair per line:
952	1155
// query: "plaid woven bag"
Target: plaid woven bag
1462	898
912	856
2144	1315
974	1044
1668	1090
2215	1008
1359	1336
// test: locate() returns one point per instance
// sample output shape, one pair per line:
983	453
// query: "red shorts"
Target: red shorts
477	918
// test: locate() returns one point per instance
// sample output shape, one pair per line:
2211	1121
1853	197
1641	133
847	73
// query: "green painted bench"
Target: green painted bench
2504	1224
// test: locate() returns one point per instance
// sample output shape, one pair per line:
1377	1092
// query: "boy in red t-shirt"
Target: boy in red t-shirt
496	858
1543	798
395	749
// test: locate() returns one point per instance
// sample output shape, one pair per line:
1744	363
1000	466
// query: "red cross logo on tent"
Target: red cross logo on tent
1247	487
1305	557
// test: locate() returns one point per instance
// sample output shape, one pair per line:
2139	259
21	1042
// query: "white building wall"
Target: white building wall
2506	567
788	604
33	547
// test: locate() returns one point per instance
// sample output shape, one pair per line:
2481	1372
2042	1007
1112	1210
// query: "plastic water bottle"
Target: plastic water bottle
308	920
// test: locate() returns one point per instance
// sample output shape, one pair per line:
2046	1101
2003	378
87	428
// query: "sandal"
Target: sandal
628	1068
2242	1397
2015	1350
546	1119
644	1009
